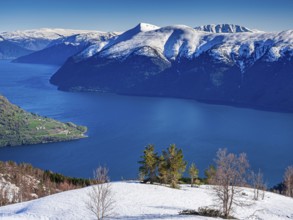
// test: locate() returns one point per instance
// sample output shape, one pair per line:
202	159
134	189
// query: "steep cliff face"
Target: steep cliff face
237	66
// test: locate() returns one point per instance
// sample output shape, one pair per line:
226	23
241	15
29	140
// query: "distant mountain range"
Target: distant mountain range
59	50
35	41
226	64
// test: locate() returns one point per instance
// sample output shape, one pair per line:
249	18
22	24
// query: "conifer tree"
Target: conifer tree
193	173
210	174
171	166
149	164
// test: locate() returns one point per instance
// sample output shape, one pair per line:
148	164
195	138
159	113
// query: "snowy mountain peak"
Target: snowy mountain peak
146	27
223	28
241	46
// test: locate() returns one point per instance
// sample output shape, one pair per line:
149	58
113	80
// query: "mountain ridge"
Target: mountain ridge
239	67
37	39
246	69
224	28
59	50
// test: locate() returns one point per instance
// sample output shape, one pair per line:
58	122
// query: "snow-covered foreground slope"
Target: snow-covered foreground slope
139	201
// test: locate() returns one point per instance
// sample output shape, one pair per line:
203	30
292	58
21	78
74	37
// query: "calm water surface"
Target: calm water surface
120	127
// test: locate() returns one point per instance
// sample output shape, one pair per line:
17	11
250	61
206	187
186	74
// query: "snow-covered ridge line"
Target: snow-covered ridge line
241	46
226	43
224	28
38	39
47	33
84	38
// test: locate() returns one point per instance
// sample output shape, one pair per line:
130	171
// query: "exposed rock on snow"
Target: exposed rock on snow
223	28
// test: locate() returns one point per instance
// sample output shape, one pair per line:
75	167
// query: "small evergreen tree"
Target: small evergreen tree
210	173
149	164
163	170
193	173
171	166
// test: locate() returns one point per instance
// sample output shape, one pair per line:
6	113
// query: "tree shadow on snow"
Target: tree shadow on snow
152	216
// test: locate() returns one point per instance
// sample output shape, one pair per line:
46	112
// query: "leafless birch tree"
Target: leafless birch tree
101	202
258	185
230	175
288	181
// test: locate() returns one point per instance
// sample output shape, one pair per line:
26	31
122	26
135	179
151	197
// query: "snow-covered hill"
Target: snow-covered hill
139	201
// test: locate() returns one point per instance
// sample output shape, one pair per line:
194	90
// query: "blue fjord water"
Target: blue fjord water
120	127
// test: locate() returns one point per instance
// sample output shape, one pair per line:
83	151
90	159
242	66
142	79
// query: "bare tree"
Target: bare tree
7	195
101	202
288	181
258	185
230	176
3	197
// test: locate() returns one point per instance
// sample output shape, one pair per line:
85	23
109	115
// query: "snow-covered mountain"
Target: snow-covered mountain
144	201
240	66
175	42
9	50
38	39
83	38
223	28
58	51
215	63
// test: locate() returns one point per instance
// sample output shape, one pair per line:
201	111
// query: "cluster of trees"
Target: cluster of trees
227	176
32	182
230	173
166	168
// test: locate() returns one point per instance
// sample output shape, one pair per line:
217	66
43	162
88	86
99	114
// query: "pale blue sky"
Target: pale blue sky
120	15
